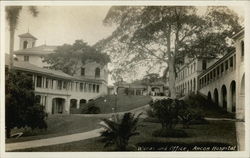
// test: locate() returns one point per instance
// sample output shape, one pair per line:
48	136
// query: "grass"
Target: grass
59	125
124	102
216	132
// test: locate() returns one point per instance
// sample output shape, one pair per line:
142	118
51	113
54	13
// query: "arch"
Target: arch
25	44
209	97
233	95
97	72
82	102
58	105
224	97
216	97
73	103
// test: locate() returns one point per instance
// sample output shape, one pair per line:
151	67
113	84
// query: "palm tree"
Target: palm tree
118	132
12	15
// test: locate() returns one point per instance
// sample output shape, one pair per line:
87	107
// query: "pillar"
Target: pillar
229	100
77	103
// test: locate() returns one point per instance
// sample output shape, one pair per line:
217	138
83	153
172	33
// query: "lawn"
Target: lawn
59	125
124	102
220	132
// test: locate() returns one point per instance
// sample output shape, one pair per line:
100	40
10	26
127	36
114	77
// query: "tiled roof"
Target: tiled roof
26	66
27	35
39	50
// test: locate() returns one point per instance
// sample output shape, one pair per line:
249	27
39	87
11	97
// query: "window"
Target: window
64	84
85	87
242	49
25	44
47	83
94	88
82	71
26	58
204	64
90	87
81	87
231	62
97	72
222	67
226	66
39	81
59	84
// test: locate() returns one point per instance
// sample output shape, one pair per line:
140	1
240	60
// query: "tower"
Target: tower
27	41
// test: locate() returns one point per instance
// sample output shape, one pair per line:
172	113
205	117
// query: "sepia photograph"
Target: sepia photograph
109	77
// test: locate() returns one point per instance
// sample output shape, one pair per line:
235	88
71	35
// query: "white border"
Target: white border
237	154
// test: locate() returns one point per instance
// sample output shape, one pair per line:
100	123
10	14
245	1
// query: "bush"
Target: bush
91	109
150	112
164	132
167	111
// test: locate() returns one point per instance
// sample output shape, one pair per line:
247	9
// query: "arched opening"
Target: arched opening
25	44
82	102
209	97
216	97
73	103
58	105
233	95
97	72
155	91
224	96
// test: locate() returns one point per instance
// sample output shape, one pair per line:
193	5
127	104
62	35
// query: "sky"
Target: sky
59	25
56	25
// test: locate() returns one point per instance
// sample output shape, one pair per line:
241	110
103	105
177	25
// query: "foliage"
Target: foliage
167	111
21	108
160	36
174	133
118	132
90	109
67	58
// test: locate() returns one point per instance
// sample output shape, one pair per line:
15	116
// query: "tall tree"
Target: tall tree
158	35
12	15
67	58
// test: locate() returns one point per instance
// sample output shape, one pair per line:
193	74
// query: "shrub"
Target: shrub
150	112
118	131
164	132
167	111
91	109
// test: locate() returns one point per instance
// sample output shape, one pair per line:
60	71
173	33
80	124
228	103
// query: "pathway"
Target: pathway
53	141
71	137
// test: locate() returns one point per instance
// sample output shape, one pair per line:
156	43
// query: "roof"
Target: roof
26	66
39	50
27	35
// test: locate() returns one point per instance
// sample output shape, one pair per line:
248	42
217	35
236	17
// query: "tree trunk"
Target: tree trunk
12	33
172	77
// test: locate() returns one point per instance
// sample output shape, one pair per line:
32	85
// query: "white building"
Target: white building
57	91
220	80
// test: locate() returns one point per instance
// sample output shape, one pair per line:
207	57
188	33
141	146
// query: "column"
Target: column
229	100
67	106
77	104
